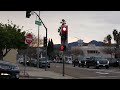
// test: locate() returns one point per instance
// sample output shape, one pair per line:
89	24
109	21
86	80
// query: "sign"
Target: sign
28	38
38	22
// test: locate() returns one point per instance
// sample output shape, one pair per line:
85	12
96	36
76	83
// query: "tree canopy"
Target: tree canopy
11	37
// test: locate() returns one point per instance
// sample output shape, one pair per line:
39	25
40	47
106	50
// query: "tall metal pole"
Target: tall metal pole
25	59
38	46
46	53
46	34
63	63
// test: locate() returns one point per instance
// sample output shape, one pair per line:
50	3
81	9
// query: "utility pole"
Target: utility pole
38	46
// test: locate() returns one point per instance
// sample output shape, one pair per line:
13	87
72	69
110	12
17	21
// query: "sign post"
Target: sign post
28	40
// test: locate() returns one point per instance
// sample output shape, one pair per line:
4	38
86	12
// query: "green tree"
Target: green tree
50	48
11	37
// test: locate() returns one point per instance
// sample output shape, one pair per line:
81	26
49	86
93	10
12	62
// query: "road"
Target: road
86	73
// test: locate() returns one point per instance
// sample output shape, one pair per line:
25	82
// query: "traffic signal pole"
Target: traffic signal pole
38	45
63	63
46	37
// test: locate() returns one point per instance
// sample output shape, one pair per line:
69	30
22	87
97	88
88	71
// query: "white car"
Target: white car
21	60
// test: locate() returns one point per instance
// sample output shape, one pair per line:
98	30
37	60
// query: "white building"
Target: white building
92	50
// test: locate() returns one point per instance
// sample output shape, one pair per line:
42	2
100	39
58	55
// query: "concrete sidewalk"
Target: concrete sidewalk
38	73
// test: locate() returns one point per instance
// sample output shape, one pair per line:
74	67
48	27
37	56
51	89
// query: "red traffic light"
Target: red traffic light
62	48
64	29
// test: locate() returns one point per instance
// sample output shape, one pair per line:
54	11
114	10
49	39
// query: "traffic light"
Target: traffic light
45	42
28	14
62	48
64	33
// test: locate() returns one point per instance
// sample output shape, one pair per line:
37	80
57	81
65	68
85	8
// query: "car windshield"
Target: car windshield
101	58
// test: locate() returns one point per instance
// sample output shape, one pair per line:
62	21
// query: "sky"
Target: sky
85	25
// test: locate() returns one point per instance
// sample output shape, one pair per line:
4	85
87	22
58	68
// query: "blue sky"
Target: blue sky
86	25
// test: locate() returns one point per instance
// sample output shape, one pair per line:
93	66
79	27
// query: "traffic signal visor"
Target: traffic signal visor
28	14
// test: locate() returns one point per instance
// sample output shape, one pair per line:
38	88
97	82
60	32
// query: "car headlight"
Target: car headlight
98	62
108	62
79	61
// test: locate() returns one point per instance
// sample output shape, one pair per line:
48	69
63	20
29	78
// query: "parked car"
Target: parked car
113	62
68	62
21	60
82	61
97	62
42	63
33	62
9	70
75	62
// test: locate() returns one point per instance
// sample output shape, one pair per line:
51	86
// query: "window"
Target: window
92	52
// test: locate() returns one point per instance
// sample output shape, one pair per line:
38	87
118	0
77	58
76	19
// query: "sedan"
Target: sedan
9	70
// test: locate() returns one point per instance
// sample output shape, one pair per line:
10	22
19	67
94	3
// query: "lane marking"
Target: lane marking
97	77
101	73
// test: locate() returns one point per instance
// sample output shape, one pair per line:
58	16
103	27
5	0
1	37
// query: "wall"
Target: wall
11	56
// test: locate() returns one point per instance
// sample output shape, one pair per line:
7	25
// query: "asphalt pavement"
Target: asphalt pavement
86	73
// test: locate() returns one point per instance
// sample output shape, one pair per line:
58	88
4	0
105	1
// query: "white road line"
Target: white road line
101	73
101	77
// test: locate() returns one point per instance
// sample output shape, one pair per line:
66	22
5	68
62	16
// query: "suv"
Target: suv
8	70
97	62
42	62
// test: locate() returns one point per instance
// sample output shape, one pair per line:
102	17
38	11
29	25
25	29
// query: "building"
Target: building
93	50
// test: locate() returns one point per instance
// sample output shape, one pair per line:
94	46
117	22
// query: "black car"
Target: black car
9	70
114	62
82	61
43	63
75	62
97	62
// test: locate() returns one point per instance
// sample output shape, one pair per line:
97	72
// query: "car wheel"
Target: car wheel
97	67
88	66
82	65
107	67
48	66
73	65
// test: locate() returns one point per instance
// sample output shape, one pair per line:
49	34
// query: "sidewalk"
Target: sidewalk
38	73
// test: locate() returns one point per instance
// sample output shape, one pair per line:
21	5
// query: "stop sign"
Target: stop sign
28	38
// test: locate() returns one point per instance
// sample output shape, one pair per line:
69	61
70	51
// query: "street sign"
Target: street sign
38	22
28	38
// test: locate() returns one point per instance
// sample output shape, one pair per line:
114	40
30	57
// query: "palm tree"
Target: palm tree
109	39
115	35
